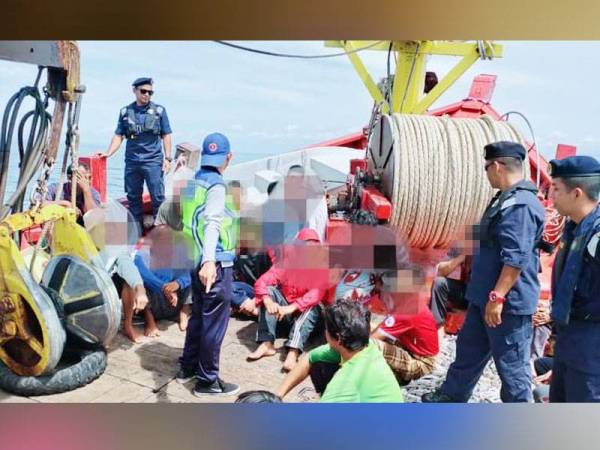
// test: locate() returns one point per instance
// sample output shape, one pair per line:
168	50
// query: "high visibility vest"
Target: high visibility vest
193	205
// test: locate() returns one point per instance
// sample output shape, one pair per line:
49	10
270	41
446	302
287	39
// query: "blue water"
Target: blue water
114	171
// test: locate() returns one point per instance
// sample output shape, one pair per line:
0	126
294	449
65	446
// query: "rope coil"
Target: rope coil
435	178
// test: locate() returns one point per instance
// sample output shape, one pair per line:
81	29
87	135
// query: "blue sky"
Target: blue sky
268	105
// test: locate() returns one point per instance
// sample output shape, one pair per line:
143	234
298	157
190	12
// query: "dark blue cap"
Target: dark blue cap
215	149
574	166
505	149
141	81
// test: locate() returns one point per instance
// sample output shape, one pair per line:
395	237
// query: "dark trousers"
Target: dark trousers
572	385
321	374
443	290
299	326
207	325
509	344
240	291
135	175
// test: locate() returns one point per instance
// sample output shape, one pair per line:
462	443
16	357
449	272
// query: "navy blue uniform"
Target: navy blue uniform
143	126
509	233
576	313
204	206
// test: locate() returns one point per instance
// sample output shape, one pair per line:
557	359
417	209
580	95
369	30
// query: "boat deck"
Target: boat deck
144	372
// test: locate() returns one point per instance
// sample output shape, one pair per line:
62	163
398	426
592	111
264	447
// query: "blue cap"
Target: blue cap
574	166
141	81
215	149
505	149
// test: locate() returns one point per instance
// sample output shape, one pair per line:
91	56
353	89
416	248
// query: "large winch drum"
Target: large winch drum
91	305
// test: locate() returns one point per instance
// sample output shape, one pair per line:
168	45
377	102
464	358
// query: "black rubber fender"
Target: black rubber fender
76	368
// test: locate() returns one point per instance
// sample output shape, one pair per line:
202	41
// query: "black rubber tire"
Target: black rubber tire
76	368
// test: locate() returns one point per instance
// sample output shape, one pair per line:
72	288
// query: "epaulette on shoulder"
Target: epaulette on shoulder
509	202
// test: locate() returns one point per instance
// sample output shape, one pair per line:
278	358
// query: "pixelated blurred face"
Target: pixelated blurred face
465	240
236	196
306	255
169	249
561	196
403	292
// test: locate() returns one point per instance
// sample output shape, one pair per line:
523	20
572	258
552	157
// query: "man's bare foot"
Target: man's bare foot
290	360
132	334
184	317
265	349
151	331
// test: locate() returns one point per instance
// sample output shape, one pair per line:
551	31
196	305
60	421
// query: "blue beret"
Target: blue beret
505	149
574	166
142	81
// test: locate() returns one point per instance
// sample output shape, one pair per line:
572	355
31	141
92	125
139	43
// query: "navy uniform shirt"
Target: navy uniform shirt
578	343
147	146
513	238
585	300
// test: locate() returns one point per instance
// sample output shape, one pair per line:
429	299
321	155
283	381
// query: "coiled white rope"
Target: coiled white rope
438	170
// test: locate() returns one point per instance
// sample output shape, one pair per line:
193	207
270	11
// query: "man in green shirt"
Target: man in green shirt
360	374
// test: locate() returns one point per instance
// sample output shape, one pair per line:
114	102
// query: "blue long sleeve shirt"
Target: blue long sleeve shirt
156	279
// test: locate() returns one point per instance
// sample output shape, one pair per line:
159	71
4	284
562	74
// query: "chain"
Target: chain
39	194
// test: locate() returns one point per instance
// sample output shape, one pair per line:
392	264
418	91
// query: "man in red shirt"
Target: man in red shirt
409	343
288	296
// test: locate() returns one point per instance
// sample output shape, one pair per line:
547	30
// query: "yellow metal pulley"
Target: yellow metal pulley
32	335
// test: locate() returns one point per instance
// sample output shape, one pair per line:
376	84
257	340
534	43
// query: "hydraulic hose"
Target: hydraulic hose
31	148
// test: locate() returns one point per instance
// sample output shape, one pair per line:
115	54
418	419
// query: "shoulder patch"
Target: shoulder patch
592	246
389	322
508	203
159	110
123	111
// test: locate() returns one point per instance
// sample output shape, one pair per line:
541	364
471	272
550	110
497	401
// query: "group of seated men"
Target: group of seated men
292	294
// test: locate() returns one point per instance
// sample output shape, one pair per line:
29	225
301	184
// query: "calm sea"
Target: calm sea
114	172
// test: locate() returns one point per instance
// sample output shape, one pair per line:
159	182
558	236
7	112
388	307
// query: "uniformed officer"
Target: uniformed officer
576	281
210	219
145	125
503	289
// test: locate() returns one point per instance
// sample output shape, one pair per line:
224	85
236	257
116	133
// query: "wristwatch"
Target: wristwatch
169	159
496	298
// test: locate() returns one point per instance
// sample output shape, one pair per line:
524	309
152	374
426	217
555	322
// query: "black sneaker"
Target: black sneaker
185	375
218	389
437	396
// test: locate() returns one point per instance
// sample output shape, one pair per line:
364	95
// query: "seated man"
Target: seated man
168	288
349	368
450	284
542	329
409	343
86	198
109	228
257	397
248	267
288	295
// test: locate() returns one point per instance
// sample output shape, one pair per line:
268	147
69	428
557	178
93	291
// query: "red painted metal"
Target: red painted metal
358	164
483	87
374	201
97	167
354	140
564	151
